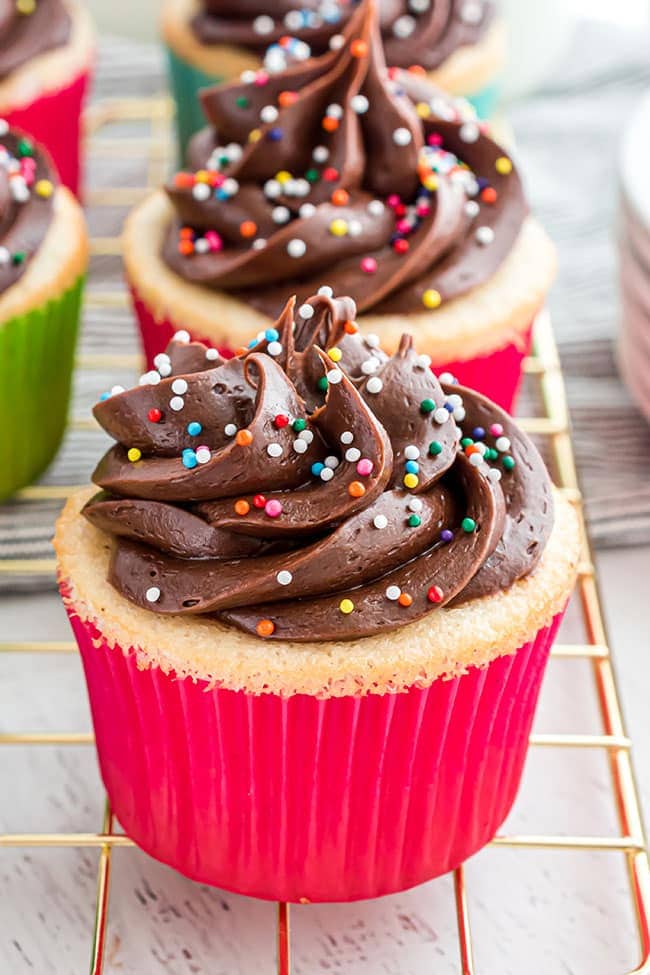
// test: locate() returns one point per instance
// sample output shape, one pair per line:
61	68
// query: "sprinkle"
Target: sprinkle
134	454
179	386
423	361
181	336
296	247
393	593
502	444
274	450
508	462
431	298
274	348
306	311
427	406
441	415
280	421
201	192
368	265
472	209
411	452
358	48
271	335
44	188
469	132
494	475
484	236
242	507
376	208
339	227
273	508
244	438
152	594
365	467
203	454
284	577
346	606
280	214
189	459
346	437
411	481
300	446
405	600
374	385
116	390
370	365
489	195
411	467
496	429
402	136
299	425
306	435
317	468
326	290
380	521
356	489
435	448
359	104
335	354
154	416
322	384
446	536
435	594
503	166
263	25
230	429
176	403
468	525
259	501
332	462
334	376
265	628
326	474
248	228
352	455
414	521
415	504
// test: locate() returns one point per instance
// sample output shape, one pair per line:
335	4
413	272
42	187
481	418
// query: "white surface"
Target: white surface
542	913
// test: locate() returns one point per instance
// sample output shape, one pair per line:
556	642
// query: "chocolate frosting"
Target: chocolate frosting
27	185
313	488
421	32
333	164
24	35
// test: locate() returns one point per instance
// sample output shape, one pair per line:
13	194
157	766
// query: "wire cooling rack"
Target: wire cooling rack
549	424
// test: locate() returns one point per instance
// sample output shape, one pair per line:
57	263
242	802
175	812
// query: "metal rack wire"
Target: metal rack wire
551	425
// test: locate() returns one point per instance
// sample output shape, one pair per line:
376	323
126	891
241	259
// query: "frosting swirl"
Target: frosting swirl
332	163
27	185
28	29
313	488
422	32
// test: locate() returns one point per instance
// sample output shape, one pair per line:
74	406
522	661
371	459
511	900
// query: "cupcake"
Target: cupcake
43	258
458	44
314	598
332	172
46	55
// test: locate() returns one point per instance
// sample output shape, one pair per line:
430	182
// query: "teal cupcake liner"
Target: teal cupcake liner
36	363
485	101
185	83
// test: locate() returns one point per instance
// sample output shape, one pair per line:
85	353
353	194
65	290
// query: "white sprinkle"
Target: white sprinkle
4	127
440	415
201	192
484	235
165	369
376	208
415	504
272	188
201	246
211	354
274	348
369	366
19	190
402	136
176	403
472	208
5	256
459	413
274	450
326	290
352	455
404	27
380	521
374	385
334	111
372	340
150	378
320	154
116	390
326	474
306	435
476	460
455	400
300	446
393	593
179	386
331	462
181	336
162	359
336	42
306	311
423	361
263	25
296	247
258	244
247	77
471	12
419	6
359	104
230	429
469	132
293	20
301	187
502	444
447	378
346	437
269	114
152	594
355	228
284	577
411	452
334	376
307	210
234	151
480	447
494	474
280	214
203	454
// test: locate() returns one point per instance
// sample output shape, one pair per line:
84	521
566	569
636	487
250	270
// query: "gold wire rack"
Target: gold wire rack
551	425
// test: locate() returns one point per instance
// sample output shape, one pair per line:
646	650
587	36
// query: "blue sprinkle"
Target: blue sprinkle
194	428
271	335
446	535
274	134
222	194
449	407
189	459
317	468
412	467
478	433
252	343
104	396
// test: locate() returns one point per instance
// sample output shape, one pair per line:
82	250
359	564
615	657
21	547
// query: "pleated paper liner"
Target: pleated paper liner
36	362
186	81
302	798
54	120
497	375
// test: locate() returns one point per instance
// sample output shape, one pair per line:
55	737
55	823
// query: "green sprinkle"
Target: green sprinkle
468	525
322	383
491	453
435	448
299	425
18	257
508	462
312	175
466	442
25	148
427	406
242	101
414	521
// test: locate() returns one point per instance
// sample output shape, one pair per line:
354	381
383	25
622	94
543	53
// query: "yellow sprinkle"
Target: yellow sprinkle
335	354
423	110
503	166
44	188
202	176
25	6
134	454
431	298
431	183
411	480
346	606
254	135
283	176
339	227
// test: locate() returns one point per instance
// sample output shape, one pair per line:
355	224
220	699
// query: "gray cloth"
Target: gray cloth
567	144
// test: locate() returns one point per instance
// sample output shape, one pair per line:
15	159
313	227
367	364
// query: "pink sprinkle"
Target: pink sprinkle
214	240
261	79
496	429
368	265
423	210
403	227
217	180
435	139
273	508
364	467
393	201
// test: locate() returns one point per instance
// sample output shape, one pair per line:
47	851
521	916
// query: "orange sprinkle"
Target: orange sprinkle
242	507
340	197
350	328
489	195
358	48
186	247
186	232
248	228
356	489
265	628
183	180
244	438
472	449
404	599
286	98
330	124
417	69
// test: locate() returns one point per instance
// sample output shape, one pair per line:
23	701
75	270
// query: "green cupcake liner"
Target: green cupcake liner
36	363
185	83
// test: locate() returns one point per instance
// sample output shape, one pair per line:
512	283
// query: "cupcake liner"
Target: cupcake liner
302	798
36	362
497	375
54	120
186	81
485	101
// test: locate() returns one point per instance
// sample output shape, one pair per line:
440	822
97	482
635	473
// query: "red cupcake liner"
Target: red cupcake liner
302	798
54	120
497	375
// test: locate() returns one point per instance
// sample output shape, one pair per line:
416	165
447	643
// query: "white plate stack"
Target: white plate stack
634	257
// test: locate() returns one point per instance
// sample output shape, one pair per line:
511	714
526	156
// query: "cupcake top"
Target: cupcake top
337	163
27	184
313	488
28	28
414	32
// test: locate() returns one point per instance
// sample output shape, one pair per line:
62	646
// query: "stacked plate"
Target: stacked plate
634	256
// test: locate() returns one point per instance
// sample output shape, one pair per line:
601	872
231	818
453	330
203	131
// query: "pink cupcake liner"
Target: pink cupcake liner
54	120
497	375
306	799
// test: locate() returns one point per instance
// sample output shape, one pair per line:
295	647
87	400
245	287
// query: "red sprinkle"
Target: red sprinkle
435	594
155	416
400	246
281	421
331	174
259	501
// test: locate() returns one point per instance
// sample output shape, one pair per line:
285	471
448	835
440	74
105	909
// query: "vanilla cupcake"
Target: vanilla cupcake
333	173
314	599
458	44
